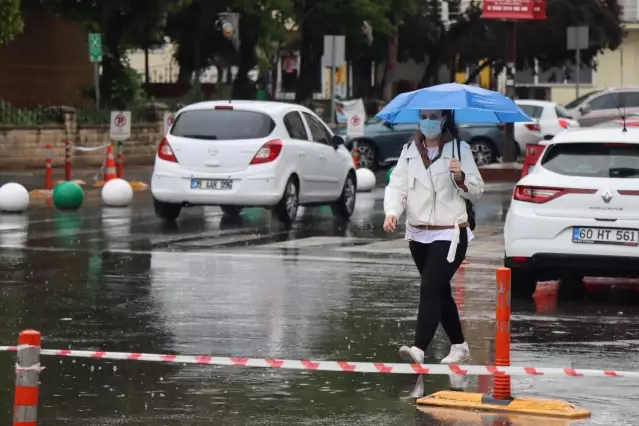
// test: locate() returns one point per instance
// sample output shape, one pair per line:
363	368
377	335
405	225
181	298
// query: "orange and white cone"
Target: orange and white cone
110	172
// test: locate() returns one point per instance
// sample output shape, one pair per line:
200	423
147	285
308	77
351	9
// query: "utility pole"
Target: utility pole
511	58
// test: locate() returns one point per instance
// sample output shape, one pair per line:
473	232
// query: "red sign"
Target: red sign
120	120
514	9
355	120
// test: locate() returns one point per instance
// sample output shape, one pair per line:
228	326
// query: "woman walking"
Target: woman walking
434	177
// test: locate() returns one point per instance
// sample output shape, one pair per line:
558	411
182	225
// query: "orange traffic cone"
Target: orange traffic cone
354	154
110	172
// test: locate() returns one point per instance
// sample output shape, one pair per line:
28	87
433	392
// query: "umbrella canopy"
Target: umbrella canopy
471	105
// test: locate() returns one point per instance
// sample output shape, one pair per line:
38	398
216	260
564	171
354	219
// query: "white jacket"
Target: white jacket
431	196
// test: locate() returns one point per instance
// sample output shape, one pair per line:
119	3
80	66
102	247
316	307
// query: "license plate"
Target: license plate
219	184
624	237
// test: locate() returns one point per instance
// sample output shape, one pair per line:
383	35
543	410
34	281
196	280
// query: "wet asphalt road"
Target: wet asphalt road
117	280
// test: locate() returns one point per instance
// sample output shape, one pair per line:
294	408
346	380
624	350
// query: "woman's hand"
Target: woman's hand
455	168
390	223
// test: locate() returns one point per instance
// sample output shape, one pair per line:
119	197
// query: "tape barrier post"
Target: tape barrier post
501	384
501	399
120	160
67	160
48	172
25	406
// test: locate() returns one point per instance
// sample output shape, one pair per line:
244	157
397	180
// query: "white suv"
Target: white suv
577	213
236	154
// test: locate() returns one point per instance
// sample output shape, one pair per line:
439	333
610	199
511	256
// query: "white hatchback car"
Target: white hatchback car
236	154
551	117
577	213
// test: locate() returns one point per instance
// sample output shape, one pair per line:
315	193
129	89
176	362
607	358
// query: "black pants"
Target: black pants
436	301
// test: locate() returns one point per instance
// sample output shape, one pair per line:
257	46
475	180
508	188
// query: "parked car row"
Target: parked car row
382	142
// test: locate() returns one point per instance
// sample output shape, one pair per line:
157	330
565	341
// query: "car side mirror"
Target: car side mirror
337	141
584	109
388	125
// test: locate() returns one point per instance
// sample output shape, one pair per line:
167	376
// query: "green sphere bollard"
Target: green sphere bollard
68	196
388	174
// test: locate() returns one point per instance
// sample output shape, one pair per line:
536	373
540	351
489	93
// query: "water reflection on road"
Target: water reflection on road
117	280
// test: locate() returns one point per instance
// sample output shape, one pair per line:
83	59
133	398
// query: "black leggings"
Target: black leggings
436	301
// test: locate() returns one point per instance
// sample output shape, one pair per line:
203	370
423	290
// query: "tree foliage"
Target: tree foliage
403	29
123	24
10	20
543	40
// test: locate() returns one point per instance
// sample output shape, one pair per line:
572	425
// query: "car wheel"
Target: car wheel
168	212
345	205
231	210
483	152
523	283
366	156
286	208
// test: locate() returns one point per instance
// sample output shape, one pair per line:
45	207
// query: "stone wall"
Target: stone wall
23	148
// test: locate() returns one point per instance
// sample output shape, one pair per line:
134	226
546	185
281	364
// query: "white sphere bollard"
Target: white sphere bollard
365	180
14	198
117	193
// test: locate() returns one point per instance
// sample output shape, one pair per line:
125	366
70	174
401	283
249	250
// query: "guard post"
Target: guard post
25	405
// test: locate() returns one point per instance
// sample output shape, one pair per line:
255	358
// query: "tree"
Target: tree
199	41
317	18
544	40
10	20
123	24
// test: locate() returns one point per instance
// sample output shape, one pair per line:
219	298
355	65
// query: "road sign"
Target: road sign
514	9
169	118
95	47
120	128
577	38
334	50
356	114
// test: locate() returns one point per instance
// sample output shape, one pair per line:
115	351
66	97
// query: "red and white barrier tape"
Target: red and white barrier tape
340	366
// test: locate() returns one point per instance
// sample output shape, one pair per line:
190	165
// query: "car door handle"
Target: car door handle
301	154
323	158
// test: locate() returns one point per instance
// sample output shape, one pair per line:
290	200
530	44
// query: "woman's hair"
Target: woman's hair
449	129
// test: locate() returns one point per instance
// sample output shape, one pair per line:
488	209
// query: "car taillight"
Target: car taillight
227	107
501	127
628	192
533	127
268	152
540	194
165	152
564	124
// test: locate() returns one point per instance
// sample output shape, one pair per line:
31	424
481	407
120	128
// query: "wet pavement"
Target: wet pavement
118	280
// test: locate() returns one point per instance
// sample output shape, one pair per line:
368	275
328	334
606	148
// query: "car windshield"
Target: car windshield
616	160
222	124
575	103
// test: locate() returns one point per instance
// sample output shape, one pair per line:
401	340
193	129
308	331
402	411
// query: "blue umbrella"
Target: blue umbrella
471	105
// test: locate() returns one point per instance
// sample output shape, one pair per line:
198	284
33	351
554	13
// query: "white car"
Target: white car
577	213
525	133
551	117
236	154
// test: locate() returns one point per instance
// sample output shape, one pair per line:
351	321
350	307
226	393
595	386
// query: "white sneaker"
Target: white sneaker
412	355
458	354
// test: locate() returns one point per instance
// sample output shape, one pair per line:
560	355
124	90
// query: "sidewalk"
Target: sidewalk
34	179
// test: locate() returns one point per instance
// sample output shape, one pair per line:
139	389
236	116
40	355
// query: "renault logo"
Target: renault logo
607	195
212	151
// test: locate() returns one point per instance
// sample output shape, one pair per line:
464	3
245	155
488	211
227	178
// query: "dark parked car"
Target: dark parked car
383	142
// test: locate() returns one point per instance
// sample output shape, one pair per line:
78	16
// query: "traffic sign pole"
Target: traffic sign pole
95	55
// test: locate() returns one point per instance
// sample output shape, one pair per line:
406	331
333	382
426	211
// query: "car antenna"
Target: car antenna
623	114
